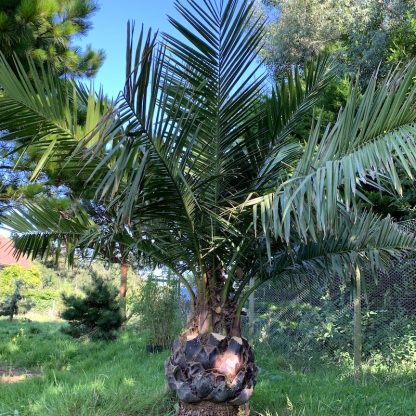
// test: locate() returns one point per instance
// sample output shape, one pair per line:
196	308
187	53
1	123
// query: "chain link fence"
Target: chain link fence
314	320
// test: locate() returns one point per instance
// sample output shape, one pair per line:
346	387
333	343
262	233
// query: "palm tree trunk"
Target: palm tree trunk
212	368
208	409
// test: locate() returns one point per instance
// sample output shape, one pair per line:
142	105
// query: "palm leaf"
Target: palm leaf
41	229
369	241
43	112
373	137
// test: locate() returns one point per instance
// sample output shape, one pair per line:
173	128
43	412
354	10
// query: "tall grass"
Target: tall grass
80	378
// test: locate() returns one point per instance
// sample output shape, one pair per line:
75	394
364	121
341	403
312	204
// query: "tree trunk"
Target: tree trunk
358	331
208	409
212	369
124	268
210	373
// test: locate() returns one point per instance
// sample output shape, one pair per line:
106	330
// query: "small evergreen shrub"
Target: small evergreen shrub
10	306
97	315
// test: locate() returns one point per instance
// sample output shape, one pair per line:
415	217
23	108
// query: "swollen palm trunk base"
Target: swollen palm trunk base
211	369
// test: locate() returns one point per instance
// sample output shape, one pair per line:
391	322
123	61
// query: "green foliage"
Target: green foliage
56	278
41	289
319	333
97	315
326	109
157	306
397	356
403	40
399	207
361	34
298	30
193	156
44	300
10	306
30	279
208	148
45	30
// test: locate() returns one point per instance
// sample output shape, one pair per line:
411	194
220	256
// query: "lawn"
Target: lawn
68	378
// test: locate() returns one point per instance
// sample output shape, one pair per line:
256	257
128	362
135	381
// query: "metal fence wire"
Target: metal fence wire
312	320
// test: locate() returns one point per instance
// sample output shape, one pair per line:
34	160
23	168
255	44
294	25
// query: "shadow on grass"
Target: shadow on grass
80	377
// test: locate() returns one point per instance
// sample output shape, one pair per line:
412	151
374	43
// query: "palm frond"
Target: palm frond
184	111
215	62
369	242
291	100
41	229
44	112
297	93
374	136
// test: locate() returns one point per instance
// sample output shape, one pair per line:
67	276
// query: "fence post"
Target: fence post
358	330
251	314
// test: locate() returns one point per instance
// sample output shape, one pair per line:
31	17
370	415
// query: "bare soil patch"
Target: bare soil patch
16	375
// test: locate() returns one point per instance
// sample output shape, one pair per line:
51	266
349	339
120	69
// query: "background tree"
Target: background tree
28	278
10	307
362	34
45	31
204	174
299	30
41	178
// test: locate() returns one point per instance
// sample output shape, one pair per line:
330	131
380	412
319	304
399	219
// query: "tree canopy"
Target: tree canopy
46	31
194	160
362	34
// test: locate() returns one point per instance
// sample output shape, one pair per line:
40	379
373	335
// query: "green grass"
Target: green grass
328	391
121	379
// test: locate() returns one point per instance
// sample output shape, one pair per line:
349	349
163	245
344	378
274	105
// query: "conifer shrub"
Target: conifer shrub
97	315
10	306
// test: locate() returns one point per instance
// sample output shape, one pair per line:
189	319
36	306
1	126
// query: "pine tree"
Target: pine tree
45	29
97	315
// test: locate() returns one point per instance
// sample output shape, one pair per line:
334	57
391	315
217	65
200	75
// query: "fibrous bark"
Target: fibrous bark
209	409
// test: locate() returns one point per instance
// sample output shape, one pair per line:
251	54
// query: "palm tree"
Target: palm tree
202	172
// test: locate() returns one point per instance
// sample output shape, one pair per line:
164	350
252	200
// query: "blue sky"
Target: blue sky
109	33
